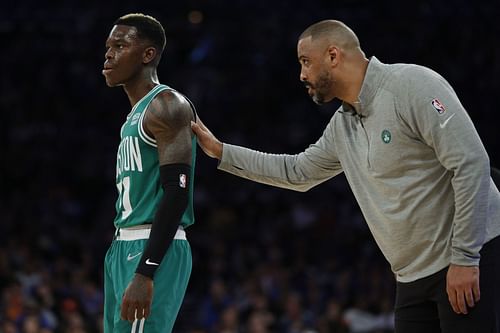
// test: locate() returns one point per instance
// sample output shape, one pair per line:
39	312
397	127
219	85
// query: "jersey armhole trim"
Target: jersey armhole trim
142	133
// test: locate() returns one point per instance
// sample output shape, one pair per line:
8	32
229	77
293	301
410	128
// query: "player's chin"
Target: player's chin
111	83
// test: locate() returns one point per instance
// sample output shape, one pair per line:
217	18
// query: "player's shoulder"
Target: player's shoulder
172	97
171	105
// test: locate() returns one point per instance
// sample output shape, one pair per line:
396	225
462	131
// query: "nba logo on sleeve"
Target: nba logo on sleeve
438	106
182	180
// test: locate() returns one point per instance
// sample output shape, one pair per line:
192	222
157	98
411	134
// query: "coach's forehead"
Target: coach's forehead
308	45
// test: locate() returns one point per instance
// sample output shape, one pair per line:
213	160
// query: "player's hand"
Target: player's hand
207	141
136	302
462	286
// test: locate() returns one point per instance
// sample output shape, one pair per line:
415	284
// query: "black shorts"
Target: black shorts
422	306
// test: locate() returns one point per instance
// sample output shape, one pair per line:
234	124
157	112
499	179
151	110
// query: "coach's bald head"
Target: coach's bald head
332	62
332	32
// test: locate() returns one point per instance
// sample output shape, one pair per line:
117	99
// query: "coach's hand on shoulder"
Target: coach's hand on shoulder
136	302
207	141
462	287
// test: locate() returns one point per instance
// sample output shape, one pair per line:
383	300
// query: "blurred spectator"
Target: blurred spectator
229	321
295	317
213	306
332	320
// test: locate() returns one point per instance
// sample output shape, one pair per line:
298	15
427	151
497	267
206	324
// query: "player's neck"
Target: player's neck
137	89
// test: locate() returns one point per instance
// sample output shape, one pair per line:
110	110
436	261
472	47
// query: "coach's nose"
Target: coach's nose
302	75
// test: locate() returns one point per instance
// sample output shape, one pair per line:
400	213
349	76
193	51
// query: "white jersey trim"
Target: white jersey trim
152	91
142	133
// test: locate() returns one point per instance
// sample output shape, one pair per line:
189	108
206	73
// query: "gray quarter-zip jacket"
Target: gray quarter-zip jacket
414	161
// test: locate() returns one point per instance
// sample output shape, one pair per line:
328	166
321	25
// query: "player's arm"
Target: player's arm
168	121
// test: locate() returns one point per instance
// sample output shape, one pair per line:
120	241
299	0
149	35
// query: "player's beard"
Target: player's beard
323	88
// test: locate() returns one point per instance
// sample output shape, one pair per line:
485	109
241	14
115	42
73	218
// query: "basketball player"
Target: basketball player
148	264
417	168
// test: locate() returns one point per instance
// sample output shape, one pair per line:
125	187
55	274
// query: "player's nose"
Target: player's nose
109	54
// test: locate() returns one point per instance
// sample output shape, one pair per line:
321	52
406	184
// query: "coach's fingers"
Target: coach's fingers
462	306
200	123
207	141
201	130
476	291
452	297
196	128
469	298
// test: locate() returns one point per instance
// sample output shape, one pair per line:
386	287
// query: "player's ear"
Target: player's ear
149	55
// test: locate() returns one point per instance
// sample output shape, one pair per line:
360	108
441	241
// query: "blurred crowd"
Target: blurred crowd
264	259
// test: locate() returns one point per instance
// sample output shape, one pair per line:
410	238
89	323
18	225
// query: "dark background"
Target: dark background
265	259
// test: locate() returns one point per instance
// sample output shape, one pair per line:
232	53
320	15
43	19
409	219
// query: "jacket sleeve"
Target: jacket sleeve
299	172
437	117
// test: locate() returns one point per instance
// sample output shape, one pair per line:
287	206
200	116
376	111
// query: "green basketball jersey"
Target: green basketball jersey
138	173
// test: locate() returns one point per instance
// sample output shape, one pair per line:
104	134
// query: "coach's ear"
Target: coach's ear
333	54
149	55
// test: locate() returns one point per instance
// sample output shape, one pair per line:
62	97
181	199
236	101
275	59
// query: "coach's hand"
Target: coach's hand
462	286
136	302
207	141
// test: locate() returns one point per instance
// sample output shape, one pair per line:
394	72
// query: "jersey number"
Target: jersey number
124	192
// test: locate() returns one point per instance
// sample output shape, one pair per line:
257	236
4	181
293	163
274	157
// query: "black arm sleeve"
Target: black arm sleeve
175	181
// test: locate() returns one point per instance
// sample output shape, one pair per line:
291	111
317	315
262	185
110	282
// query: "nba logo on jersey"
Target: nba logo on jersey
182	180
438	106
